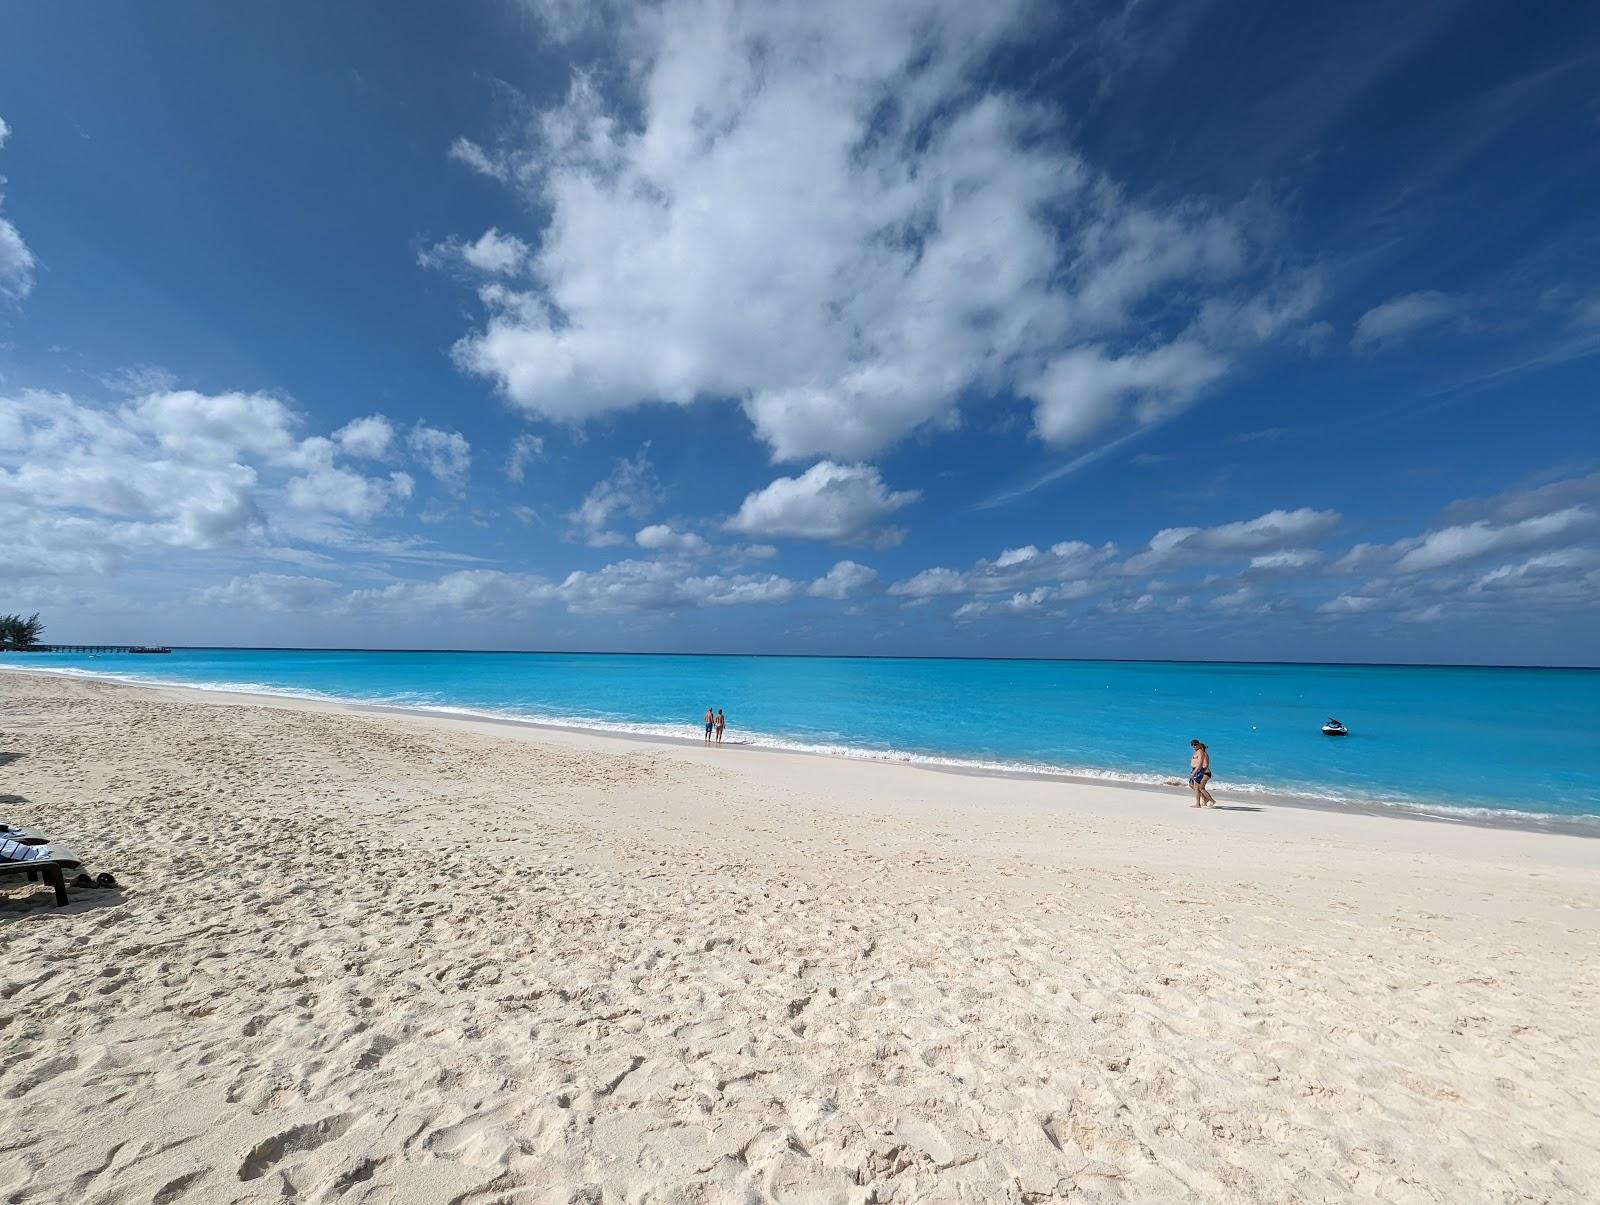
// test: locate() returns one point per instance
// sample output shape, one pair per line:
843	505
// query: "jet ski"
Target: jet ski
1334	728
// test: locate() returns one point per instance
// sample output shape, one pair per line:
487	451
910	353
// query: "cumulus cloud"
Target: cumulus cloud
1277	529
1543	539
493	253
659	537
630	491
829	501
1016	556
445	454
1016	581
663	586
341	491
370	438
174	469
831	213
17	262
217	428
1449	545
1234	600
1394	321
1030	575
931	583
1020	603
844	579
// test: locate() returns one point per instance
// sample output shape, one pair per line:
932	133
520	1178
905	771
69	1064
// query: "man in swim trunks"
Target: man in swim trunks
711	723
1200	775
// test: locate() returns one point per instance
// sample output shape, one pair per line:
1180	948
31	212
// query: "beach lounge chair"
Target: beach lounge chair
23	853
49	869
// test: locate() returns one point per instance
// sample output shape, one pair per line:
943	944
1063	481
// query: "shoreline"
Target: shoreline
1450	815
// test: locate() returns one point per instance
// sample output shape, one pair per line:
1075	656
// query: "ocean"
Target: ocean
1522	745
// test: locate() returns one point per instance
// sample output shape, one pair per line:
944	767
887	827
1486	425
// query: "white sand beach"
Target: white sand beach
386	958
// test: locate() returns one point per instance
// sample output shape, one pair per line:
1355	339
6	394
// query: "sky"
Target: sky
904	327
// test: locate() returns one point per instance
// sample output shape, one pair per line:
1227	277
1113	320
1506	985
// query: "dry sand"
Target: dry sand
378	958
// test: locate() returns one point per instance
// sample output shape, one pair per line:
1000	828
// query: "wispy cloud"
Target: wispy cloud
1389	324
17	262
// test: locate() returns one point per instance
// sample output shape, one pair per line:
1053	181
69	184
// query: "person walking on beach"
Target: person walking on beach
721	724
1200	774
711	722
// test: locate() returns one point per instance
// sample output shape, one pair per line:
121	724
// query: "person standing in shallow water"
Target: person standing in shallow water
711	721
1200	774
721	724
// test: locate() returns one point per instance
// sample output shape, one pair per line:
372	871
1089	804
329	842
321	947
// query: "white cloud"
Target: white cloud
174	469
524	449
844	579
1023	573
827	502
1234	600
631	491
218	428
1016	556
469	153
1392	322
663	586
1276	529
1449	545
931	583
342	491
371	437
1020	603
17	262
659	537
1285	560
465	590
1562	577
271	592
1351	604
831	213
445	454
494	253
1085	390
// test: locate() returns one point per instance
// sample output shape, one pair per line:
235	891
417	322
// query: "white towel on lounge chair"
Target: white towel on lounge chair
16	851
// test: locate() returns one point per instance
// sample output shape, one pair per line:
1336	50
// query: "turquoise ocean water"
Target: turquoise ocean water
1519	743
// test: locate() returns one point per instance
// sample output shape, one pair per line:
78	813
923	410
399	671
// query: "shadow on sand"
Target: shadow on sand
19	899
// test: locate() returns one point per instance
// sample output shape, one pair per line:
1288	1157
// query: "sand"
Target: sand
376	958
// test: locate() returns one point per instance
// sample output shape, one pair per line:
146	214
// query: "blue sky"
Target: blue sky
1168	330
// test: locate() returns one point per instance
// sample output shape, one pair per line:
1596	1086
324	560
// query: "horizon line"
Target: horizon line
274	648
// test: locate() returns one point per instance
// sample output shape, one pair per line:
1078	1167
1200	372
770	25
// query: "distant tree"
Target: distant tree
19	633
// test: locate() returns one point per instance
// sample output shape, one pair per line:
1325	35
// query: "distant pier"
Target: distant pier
95	648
